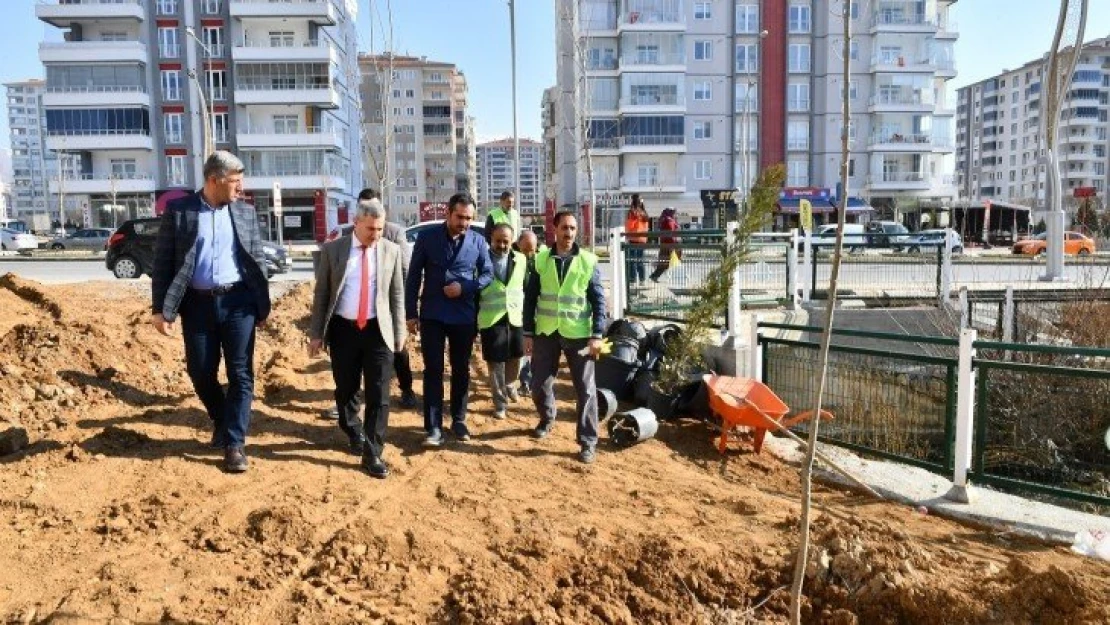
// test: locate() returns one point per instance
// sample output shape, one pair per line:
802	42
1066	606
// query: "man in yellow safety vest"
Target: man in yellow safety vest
504	214
501	319
564	313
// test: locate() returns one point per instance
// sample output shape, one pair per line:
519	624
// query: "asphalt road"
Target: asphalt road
70	271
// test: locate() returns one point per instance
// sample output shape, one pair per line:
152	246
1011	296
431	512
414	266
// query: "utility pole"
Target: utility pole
516	136
208	111
62	192
112	192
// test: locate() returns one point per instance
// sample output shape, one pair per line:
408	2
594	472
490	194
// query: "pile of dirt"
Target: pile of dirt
118	511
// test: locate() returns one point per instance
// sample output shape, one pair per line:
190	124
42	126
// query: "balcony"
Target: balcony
673	62
671	19
65	12
656	184
605	146
902	21
93	52
105	183
654	103
652	143
898	142
277	91
104	96
945	68
905	100
947	29
317	51
311	137
898	181
318	11
79	140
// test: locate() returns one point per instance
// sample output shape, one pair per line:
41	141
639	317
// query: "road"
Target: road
70	271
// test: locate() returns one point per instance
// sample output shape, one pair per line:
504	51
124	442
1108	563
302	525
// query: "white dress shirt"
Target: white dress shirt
347	306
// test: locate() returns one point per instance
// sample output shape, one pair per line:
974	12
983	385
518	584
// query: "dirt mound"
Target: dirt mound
118	510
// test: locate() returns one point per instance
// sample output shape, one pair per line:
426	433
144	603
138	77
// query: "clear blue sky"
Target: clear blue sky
994	34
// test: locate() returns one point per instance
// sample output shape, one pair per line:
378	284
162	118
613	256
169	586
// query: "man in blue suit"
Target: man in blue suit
208	267
452	263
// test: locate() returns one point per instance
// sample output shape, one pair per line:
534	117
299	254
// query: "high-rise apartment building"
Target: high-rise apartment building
1000	132
419	137
33	167
677	95
137	89
496	170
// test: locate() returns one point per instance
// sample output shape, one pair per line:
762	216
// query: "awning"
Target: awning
790	206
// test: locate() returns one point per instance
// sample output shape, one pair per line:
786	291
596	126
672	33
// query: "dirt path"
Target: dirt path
119	511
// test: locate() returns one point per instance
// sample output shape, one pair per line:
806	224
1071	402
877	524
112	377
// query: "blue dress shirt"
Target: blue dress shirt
216	263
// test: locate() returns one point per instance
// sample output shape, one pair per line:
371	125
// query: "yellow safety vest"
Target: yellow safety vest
499	216
563	307
500	299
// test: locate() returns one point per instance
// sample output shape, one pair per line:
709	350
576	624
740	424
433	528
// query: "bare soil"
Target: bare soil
118	511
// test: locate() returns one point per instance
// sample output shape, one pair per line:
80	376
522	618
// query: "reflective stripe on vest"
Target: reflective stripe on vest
499	299
562	306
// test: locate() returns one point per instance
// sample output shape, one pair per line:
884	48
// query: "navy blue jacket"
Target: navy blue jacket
435	264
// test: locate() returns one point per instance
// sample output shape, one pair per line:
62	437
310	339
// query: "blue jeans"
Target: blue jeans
435	336
211	324
634	265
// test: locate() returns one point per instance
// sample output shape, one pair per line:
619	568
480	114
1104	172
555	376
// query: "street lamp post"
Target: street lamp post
747	179
207	109
516	135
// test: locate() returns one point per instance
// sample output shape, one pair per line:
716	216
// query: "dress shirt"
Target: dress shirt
347	306
216	263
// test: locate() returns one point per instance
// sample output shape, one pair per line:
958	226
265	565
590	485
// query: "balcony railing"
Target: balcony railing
903	98
109	176
281	85
675	99
96	132
88	2
899	18
889	177
604	143
604	104
96	89
667	58
641	140
648	17
270	130
657	181
895	137
281	44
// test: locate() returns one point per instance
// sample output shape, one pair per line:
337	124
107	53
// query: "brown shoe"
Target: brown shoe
235	460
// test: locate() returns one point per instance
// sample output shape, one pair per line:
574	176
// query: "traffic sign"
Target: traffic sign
805	211
277	199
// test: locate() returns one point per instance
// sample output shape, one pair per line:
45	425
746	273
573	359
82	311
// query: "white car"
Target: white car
13	241
928	240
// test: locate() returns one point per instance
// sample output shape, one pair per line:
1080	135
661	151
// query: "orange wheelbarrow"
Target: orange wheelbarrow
750	403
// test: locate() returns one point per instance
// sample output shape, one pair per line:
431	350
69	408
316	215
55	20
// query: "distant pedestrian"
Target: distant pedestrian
504	213
668	246
209	268
501	318
564	314
357	311
636	222
450	266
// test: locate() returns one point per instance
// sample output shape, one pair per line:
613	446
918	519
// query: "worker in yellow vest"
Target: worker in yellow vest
564	313
504	214
501	319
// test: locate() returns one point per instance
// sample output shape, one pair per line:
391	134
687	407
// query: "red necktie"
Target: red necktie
364	291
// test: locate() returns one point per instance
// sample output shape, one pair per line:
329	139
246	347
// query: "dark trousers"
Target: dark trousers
215	325
435	337
635	267
402	367
358	356
545	364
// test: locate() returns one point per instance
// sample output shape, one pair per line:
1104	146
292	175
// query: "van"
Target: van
14	224
854	236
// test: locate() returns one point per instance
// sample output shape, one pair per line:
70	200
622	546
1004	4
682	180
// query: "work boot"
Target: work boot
543	429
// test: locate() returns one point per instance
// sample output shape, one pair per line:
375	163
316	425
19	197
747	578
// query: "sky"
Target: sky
474	34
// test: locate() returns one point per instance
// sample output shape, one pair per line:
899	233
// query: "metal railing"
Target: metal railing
917	274
88	2
107	176
652	140
96	132
631	59
674	99
96	89
653	182
905	98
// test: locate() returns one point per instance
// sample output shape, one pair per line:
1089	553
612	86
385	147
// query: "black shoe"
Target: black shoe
356	443
543	429
408	400
461	432
375	467
433	439
587	455
331	414
219	437
235	460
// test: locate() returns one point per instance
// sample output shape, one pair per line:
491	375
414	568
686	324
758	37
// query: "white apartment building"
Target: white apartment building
32	166
136	90
420	139
1000	132
496	174
680	94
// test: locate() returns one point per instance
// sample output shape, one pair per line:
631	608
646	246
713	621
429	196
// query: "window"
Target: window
853	90
854	10
703	10
173	124
214	39
165	7
123	168
798	21
167	42
853	50
703	169
747	95
220	121
410	110
797	97
217	84
797	173
647	174
703	90
281	39
703	50
411	93
798	57
212	7
747	18
286	124
113	35
747	59
703	130
797	135
171	84
175	170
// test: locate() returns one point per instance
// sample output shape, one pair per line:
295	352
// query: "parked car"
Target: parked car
885	233
15	241
1074	243
131	251
931	240
90	239
824	238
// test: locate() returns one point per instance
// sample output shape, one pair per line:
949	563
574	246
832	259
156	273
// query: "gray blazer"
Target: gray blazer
331	274
175	255
396	233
